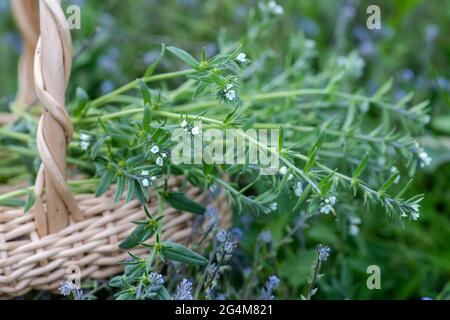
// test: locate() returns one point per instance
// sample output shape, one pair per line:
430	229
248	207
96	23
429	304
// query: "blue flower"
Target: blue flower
184	291
324	252
222	236
66	288
236	234
266	237
156	281
229	247
271	285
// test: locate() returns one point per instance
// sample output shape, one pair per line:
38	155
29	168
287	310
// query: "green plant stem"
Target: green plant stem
24	191
15	135
134	84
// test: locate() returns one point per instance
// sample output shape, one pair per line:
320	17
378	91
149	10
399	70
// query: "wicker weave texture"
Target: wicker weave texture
28	261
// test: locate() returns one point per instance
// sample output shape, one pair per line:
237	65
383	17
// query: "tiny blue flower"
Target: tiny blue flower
184	291
266	236
66	288
221	236
156	281
229	247
323	251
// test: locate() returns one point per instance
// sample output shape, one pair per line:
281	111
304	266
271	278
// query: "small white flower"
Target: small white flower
290	177
145	173
310	44
184	124
164	155
415	215
85	137
159	161
231	95
275	8
153	178
85	145
229	87
332	200
155	149
415	207
326	209
298	190
364	106
355	220
283	170
425	159
241	57
145	182
274	206
195	131
353	230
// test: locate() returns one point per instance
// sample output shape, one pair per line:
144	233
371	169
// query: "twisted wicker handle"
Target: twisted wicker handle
52	65
27	18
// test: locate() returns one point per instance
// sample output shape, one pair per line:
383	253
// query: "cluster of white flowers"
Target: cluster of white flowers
194	130
85	141
272	7
283	170
327	205
160	159
298	189
354	64
354	225
229	92
241	57
146	180
425	159
394	170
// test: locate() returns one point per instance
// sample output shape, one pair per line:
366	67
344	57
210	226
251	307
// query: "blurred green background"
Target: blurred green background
412	46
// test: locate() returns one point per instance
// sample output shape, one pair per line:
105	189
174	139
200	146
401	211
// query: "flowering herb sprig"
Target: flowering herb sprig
337	144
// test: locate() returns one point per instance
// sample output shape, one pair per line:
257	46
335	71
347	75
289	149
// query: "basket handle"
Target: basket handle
26	15
52	65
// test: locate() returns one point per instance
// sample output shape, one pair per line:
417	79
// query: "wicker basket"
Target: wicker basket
64	230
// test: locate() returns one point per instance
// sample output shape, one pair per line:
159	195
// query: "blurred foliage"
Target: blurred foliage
413	47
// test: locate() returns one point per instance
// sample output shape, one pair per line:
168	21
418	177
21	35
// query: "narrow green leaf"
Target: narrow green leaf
146	121
153	66
388	183
130	191
199	89
326	183
105	182
383	89
281	139
140	234
120	186
185	56
179	201
82	100
180	253
362	165
145	92
405	188
311	160
30	201
302	197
